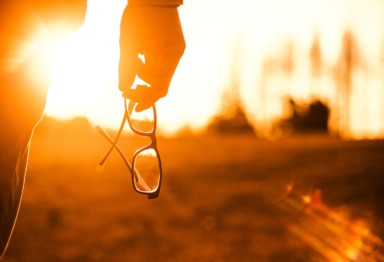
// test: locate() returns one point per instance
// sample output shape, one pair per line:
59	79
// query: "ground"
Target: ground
224	198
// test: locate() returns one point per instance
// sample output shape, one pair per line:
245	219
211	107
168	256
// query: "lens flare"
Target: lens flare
334	234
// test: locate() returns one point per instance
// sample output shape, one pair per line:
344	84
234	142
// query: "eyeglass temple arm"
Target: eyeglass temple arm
105	134
137	175
114	146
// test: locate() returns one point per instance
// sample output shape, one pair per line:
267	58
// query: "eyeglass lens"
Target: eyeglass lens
146	166
143	121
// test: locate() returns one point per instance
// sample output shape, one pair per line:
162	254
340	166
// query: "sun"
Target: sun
84	68
38	52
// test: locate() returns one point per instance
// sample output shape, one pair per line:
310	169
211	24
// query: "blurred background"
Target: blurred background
270	137
270	58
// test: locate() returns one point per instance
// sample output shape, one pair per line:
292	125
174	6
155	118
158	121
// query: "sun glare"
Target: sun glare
266	33
41	48
85	68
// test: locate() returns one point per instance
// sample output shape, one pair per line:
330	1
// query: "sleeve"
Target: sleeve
156	2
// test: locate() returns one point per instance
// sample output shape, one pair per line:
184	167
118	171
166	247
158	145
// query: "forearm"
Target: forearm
156	2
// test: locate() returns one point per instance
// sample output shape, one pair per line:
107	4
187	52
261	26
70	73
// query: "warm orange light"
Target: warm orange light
307	199
36	54
334	235
85	77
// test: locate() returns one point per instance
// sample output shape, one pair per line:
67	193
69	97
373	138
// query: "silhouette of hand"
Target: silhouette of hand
156	34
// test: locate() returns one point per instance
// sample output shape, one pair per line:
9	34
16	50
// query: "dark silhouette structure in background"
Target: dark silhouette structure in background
313	118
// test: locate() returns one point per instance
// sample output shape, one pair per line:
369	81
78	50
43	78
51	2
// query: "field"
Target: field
224	198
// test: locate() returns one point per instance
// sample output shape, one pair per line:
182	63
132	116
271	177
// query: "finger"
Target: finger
160	66
143	106
128	68
147	71
142	95
137	107
126	80
136	95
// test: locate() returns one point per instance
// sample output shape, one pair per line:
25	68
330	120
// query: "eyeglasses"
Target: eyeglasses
146	170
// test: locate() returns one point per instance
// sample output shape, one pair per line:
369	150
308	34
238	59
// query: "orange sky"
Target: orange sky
85	80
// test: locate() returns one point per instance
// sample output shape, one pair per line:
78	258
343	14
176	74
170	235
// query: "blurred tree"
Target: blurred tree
277	71
231	117
267	69
382	74
316	61
287	64
349	60
287	59
315	55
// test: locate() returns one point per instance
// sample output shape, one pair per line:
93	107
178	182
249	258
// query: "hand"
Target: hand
154	32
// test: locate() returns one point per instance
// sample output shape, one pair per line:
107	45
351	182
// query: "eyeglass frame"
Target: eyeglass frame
153	145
